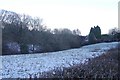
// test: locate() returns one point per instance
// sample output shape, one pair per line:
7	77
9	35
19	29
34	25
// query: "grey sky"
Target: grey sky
72	14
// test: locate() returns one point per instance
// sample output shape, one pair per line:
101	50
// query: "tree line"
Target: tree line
25	30
25	34
95	36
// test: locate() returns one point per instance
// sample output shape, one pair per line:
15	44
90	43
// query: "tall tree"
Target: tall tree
91	37
97	32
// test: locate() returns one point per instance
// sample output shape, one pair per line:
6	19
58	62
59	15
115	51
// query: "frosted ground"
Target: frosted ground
20	66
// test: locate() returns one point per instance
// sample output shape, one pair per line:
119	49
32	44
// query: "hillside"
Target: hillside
22	66
104	67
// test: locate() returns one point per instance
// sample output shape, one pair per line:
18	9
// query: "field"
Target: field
22	66
104	67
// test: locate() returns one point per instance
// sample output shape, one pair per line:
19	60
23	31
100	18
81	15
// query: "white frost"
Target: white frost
21	66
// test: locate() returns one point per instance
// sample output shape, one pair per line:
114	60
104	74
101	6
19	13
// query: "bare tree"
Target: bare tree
113	31
76	32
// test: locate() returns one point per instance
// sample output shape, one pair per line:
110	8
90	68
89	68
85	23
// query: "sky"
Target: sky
71	14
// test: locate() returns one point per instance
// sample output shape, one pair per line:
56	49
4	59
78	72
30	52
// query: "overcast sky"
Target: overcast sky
72	14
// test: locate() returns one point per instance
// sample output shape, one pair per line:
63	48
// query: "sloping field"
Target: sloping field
21	66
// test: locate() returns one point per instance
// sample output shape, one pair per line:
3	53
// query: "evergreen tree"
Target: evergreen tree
97	32
91	37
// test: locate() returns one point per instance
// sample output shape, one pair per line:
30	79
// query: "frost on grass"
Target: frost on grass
22	66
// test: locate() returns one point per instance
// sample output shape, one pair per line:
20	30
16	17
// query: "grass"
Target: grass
105	67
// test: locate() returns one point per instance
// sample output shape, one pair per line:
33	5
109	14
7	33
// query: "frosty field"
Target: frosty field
20	66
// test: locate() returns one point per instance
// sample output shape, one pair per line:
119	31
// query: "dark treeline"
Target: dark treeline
24	34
